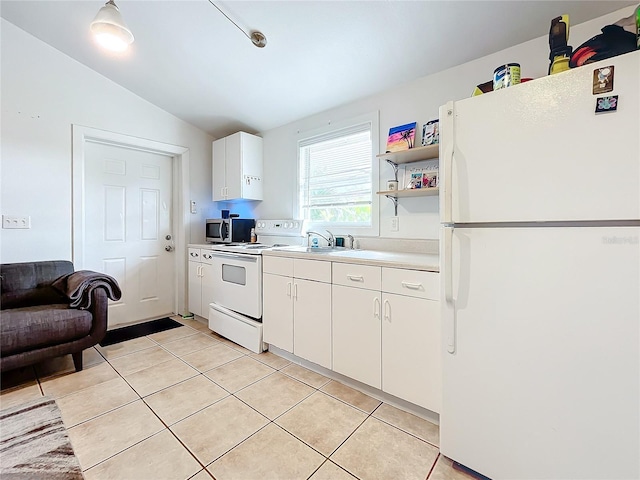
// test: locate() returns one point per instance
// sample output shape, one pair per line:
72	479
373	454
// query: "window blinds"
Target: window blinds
336	176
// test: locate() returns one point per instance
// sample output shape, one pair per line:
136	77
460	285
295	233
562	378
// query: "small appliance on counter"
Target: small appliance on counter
229	230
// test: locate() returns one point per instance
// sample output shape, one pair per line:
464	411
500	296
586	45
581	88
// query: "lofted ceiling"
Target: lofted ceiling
192	62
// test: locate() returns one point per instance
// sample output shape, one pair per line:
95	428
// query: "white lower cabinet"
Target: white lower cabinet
312	321
277	310
356	334
200	281
297	309
377	325
411	349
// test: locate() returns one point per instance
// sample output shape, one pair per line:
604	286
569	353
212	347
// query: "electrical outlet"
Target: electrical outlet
193	207
12	221
393	224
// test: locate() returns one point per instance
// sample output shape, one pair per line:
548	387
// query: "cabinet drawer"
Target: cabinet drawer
317	270
278	265
412	283
194	254
359	276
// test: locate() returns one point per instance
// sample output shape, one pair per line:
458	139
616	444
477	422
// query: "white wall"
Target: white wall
415	101
44	92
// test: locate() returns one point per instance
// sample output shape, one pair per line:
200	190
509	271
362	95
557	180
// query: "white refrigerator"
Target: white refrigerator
540	269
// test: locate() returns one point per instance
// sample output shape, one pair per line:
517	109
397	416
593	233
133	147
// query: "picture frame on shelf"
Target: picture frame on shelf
431	133
421	177
401	137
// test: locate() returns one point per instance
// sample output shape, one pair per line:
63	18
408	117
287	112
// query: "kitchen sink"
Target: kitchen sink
317	250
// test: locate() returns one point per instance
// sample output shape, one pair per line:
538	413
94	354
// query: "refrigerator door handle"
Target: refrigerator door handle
450	316
448	163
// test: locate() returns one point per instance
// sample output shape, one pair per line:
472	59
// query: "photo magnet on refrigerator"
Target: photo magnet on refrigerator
607	104
603	80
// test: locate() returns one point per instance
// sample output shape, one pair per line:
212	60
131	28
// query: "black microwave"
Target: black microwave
229	230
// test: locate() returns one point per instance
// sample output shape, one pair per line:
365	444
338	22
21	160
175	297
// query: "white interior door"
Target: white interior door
127	215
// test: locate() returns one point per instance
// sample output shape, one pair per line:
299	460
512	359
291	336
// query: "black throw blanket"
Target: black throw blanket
77	286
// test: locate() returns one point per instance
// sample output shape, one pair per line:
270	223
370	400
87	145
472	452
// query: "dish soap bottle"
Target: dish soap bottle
254	237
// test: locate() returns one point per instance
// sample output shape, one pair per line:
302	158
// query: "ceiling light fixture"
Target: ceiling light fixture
109	28
256	37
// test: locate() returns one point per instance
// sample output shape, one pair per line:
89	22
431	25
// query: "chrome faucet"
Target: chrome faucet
330	240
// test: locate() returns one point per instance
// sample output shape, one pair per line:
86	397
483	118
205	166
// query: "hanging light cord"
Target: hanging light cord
245	33
256	37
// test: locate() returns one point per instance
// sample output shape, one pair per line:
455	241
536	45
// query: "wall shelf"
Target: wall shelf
410	192
393	195
415	154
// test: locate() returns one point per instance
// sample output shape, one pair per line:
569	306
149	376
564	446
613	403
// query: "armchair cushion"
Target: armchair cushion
40	326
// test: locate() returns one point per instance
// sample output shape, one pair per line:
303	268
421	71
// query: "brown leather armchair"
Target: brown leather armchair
36	321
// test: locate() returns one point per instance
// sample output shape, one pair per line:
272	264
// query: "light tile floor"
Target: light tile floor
188	404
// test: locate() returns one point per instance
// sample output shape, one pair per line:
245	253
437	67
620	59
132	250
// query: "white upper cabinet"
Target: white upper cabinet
237	167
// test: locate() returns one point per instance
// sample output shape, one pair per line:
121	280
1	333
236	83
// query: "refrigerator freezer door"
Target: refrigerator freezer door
538	151
544	379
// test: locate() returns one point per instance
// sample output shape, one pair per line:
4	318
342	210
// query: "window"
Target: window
336	181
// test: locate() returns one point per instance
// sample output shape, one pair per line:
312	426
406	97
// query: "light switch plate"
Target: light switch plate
393	224
193	207
12	221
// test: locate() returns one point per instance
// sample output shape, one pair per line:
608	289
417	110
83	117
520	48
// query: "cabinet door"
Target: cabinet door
251	173
195	288
219	174
233	166
356	333
277	311
206	277
411	350
312	321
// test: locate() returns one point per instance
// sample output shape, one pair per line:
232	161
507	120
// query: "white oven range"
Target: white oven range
236	308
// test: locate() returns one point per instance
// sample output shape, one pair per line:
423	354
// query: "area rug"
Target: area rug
34	443
123	334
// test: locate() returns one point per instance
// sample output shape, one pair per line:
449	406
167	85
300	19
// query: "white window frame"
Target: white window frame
373	230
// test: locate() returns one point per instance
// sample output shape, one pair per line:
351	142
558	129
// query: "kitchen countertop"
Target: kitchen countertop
412	261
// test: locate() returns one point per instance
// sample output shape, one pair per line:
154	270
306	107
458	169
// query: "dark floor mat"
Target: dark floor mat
140	330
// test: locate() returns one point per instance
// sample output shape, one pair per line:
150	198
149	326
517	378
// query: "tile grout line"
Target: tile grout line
433	467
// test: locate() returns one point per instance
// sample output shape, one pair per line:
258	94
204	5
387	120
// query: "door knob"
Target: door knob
168	237
169	248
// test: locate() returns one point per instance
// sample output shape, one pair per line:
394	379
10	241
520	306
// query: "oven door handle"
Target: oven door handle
245	258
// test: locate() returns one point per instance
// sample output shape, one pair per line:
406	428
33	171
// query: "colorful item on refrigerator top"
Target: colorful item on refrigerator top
559	51
485	87
638	27
506	75
614	40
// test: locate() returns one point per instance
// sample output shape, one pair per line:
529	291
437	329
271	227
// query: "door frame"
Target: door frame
82	135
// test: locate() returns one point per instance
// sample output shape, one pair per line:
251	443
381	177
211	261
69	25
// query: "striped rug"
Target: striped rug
34	443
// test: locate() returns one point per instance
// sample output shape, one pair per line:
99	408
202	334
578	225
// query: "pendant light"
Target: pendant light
109	28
